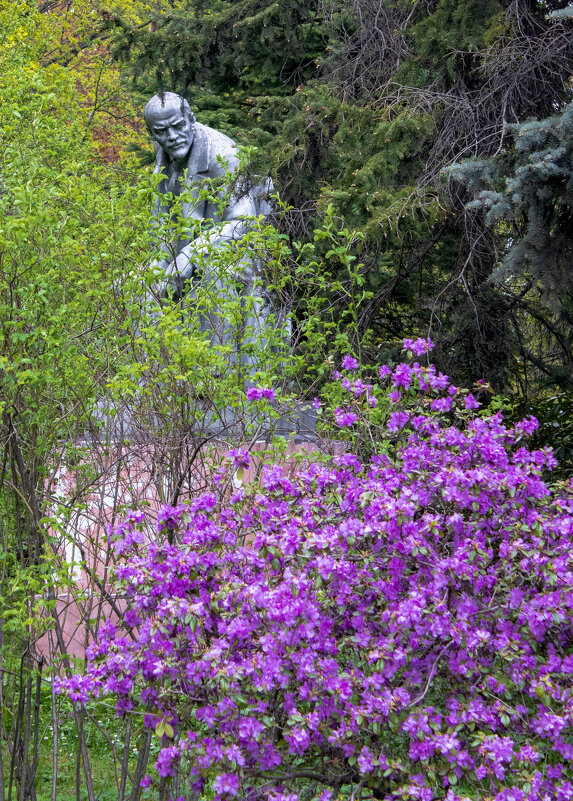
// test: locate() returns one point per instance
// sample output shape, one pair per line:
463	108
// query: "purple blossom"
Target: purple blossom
298	740
418	346
168	517
167	760
528	425
397	420
344	418
226	784
349	363
240	457
78	688
258	393
365	764
415	602
470	402
441	404
402	376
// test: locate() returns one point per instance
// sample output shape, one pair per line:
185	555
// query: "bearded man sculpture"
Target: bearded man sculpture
188	154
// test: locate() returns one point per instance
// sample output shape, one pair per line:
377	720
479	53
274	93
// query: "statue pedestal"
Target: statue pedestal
298	424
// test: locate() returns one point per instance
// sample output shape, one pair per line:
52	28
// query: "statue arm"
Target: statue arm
232	226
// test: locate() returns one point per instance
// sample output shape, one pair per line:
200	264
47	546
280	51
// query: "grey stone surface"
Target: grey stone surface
298	423
188	154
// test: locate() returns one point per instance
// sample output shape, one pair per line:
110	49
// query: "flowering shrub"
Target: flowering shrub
402	627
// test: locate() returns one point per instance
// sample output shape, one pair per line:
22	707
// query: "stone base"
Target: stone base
229	424
298	424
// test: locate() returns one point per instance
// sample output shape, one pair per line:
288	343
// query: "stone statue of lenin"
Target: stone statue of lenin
188	153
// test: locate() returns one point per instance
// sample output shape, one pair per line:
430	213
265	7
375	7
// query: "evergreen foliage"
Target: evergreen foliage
530	186
527	192
223	54
360	105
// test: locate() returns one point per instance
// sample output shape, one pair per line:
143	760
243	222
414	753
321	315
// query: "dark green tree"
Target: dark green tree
527	193
529	187
361	105
223	55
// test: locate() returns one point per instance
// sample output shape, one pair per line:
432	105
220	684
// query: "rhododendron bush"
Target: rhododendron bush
398	628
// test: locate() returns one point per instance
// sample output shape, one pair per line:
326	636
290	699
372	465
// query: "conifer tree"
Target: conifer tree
527	192
361	104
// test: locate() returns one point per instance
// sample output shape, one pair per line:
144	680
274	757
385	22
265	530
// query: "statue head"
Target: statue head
171	123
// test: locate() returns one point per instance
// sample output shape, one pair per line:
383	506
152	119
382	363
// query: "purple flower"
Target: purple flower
145	782
226	784
168	517
298	740
528	754
397	420
441	404
528	425
344	418
365	764
166	761
240	457
402	376
349	363
418	346
470	402
258	393
413	598
78	688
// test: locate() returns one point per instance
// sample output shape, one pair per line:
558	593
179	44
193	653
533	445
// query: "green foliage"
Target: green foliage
223	54
529	186
360	106
354	108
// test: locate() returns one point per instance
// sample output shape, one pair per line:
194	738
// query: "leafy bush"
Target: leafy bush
398	627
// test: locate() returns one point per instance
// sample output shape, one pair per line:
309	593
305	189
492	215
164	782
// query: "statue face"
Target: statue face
172	128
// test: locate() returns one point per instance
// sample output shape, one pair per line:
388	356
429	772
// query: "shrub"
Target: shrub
397	627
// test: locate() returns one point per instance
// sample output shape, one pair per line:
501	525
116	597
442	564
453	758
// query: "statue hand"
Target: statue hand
180	275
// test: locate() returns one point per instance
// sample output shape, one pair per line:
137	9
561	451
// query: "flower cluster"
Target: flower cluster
418	346
240	457
260	393
344	417
404	625
358	390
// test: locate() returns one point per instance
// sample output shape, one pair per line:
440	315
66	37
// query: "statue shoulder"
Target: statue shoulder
221	147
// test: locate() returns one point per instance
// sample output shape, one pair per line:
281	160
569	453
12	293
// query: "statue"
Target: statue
189	153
